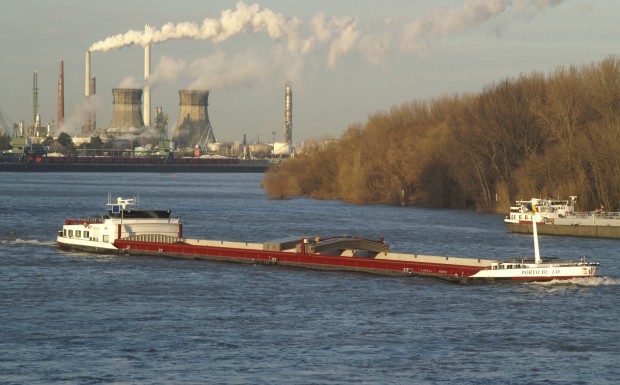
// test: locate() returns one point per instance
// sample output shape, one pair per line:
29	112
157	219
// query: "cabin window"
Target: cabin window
64	233
106	238
70	233
86	234
78	233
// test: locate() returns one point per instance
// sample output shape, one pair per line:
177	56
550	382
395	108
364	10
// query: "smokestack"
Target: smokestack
35	99
147	89
288	114
93	112
87	77
61	94
87	116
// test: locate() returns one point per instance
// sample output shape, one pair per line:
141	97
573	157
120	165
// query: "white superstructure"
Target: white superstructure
537	269
121	221
561	212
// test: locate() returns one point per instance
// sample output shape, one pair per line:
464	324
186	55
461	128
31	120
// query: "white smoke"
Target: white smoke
337	36
167	71
530	8
218	70
221	71
341	33
419	33
131	82
231	22
74	122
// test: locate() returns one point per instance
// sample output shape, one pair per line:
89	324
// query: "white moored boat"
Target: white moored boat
537	269
559	217
122	220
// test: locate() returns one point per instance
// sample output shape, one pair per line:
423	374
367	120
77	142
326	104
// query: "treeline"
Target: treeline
537	135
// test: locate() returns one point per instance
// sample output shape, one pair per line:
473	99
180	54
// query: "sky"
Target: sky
345	59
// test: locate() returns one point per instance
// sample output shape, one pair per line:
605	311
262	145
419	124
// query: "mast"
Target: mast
535	232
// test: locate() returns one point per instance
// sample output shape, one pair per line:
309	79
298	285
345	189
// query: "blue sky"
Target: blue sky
345	59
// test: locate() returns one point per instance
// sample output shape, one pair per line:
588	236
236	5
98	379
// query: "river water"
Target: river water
74	318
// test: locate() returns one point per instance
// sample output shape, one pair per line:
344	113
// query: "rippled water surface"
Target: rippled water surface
73	318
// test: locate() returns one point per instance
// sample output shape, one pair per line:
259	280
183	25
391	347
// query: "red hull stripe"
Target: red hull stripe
294	259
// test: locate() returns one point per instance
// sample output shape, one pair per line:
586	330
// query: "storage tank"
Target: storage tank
282	148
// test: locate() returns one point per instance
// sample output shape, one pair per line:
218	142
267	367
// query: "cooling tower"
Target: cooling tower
127	111
194	128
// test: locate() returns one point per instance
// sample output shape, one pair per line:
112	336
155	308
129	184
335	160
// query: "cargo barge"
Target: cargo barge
129	231
134	164
559	217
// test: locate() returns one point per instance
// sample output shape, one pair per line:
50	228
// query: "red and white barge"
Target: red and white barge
130	231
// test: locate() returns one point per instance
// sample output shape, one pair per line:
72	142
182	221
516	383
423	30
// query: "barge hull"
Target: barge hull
441	268
588	231
87	248
133	167
475	280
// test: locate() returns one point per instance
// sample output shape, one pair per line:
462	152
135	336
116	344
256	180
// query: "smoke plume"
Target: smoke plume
418	33
231	22
73	123
337	36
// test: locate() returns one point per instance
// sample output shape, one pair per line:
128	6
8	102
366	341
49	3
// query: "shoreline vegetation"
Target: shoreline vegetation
534	135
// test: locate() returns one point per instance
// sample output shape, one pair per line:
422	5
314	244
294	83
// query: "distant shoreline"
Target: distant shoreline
131	167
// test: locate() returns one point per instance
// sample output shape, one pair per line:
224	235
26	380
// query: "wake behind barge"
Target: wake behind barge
130	231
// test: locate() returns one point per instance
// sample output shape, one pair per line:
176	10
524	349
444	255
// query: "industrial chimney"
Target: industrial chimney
127	111
288	114
193	128
61	95
147	88
89	90
91	105
35	104
87	75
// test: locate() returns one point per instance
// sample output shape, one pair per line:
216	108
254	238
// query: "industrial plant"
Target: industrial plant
192	136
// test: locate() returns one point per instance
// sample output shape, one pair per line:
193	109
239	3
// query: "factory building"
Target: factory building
131	115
